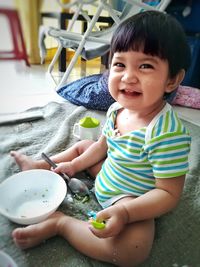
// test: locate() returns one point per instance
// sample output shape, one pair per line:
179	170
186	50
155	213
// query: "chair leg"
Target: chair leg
71	65
81	45
19	48
55	58
24	54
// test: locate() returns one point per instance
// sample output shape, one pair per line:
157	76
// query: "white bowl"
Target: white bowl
6	260
31	196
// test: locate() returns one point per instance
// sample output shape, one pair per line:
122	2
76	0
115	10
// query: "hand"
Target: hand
115	218
65	167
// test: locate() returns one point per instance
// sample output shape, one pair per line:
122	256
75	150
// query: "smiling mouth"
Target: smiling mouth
130	93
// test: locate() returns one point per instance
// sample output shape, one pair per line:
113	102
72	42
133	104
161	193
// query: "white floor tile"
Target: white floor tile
189	114
22	87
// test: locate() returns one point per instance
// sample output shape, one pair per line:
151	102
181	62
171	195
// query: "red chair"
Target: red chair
19	49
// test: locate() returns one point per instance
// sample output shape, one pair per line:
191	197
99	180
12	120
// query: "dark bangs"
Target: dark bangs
156	34
136	38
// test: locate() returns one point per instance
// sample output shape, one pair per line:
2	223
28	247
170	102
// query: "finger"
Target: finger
101	233
59	168
56	170
102	216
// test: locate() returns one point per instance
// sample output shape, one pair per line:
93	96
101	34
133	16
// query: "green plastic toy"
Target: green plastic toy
98	225
94	222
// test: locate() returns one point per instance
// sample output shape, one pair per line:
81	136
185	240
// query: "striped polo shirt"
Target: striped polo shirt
135	159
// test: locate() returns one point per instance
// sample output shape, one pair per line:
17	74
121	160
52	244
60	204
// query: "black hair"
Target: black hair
155	33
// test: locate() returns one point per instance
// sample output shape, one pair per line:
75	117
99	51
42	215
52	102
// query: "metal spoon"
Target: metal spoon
75	185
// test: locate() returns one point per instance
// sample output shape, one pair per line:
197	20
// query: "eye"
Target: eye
146	66
118	64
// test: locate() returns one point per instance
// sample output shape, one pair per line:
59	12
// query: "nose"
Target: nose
129	77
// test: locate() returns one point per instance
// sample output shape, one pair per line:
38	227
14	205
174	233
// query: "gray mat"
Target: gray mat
177	241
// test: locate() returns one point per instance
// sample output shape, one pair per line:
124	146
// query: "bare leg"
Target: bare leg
131	247
27	163
33	235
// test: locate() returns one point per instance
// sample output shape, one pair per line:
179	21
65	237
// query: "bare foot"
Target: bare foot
35	234
25	162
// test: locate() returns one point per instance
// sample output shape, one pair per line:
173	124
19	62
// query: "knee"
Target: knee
83	145
143	256
133	259
137	244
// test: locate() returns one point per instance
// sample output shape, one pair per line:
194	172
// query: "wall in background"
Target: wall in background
7	3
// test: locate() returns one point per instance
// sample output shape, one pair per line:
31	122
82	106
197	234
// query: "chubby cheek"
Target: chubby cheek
113	84
154	88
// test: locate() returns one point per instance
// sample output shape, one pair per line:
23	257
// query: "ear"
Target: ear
174	82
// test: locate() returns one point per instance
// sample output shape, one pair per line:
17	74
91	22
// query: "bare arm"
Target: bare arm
154	203
91	156
94	154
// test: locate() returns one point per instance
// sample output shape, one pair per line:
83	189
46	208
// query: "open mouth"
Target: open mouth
130	93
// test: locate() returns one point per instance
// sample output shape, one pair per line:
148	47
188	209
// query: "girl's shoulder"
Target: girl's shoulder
165	123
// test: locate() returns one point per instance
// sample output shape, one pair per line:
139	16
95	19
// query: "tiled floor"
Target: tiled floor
23	87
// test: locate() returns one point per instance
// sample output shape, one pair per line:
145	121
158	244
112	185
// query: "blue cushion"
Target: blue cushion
90	92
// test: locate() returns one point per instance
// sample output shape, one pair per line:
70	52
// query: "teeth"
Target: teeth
130	91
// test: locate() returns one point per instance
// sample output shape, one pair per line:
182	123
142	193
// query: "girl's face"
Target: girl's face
138	81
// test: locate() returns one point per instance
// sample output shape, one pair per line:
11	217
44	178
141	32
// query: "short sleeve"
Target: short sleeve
168	154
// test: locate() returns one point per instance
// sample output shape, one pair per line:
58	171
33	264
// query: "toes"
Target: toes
19	238
33	235
23	243
13	153
25	237
22	233
16	233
